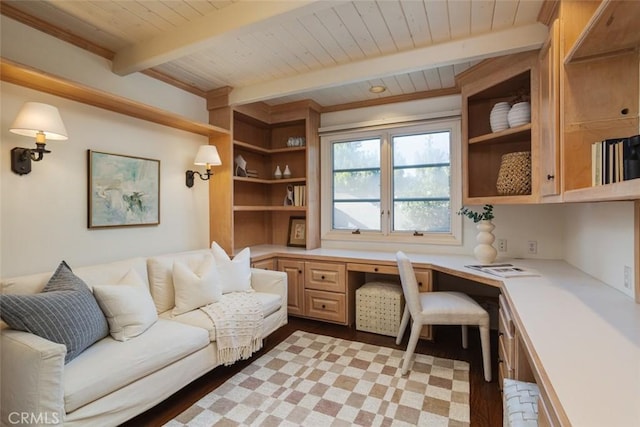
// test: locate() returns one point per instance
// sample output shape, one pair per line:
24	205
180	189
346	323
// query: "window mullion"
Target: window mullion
386	178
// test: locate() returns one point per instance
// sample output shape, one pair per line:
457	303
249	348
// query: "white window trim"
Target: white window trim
452	238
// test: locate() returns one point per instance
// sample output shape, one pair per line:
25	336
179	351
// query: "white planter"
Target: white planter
484	252
498	117
519	114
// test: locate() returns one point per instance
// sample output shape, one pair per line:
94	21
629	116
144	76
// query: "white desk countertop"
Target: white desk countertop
585	334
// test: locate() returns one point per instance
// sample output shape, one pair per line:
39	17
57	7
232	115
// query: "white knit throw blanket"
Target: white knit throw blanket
238	321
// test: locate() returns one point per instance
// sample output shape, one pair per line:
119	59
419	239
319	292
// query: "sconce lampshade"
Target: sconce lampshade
35	118
207	155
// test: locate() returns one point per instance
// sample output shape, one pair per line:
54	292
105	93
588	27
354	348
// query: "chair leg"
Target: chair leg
486	351
416	328
403	324
465	336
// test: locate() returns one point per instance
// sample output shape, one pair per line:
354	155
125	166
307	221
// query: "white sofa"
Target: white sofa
113	381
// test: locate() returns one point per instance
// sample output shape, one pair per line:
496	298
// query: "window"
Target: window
396	183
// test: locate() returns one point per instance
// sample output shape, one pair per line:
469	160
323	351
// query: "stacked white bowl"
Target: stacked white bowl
498	117
519	114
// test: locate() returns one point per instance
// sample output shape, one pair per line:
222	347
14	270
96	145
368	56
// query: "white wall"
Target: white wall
598	239
44	214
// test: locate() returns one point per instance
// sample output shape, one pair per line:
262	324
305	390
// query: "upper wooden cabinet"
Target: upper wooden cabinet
550	176
251	210
497	80
599	90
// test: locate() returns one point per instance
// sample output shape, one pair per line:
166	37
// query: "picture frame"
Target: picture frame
297	232
123	190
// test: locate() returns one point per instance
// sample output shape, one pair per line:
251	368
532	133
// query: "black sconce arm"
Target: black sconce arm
190	176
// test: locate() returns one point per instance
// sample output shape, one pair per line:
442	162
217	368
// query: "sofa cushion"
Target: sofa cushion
128	306
64	312
109	365
235	275
160	270
270	303
194	289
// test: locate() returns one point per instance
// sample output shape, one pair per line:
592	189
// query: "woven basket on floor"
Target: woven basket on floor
514	177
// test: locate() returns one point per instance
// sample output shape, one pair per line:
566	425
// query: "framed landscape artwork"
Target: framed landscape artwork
123	190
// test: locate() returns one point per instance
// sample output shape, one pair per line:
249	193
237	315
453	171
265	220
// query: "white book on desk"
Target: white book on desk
503	270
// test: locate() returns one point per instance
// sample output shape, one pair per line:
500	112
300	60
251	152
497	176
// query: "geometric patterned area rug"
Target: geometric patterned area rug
319	381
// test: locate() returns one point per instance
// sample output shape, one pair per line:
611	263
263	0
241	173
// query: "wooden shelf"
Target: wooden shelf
612	28
626	190
269	208
269	181
267	151
495	199
23	75
504	136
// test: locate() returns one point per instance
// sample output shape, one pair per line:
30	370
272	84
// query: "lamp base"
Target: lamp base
21	160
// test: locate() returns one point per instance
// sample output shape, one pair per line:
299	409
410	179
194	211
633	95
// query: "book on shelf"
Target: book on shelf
299	195
252	173
503	270
615	160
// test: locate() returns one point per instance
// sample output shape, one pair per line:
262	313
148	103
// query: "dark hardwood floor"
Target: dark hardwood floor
485	399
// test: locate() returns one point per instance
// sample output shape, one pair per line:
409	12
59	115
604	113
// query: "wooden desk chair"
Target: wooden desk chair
439	308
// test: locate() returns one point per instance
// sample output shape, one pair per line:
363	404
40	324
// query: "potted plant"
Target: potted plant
484	251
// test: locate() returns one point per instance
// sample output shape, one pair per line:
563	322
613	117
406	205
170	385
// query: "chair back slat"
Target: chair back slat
409	284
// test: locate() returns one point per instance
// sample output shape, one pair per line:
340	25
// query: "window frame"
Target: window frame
385	133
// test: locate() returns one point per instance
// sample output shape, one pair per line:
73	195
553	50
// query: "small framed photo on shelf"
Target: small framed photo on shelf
297	232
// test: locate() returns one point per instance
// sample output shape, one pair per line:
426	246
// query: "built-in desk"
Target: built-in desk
581	336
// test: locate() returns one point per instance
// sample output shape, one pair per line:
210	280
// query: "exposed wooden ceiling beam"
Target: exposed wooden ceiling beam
514	40
195	35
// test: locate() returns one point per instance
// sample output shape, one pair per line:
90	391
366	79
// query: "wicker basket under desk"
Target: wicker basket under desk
379	308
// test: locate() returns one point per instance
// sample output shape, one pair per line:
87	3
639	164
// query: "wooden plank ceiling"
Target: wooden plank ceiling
277	52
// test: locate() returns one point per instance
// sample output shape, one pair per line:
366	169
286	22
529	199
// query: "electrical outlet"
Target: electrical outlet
627	277
502	245
532	247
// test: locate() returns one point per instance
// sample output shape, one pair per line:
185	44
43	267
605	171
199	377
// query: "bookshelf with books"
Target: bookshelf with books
266	139
600	98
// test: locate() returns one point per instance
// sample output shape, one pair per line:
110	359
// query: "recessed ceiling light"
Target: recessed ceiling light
377	89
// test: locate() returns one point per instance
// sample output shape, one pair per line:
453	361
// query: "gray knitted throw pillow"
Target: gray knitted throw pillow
64	312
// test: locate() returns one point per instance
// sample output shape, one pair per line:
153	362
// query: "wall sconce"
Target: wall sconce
37	120
208	156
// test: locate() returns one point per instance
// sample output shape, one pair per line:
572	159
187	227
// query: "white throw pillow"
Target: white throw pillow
235	275
128	306
195	289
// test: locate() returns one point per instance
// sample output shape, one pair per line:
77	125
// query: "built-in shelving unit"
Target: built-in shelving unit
258	212
497	80
601	45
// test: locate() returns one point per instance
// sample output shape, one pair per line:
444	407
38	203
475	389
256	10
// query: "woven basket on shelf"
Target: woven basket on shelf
514	177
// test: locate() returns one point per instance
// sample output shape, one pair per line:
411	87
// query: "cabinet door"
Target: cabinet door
550	114
295	285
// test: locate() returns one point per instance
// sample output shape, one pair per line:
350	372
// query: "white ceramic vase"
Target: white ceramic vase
519	114
484	252
278	173
498	117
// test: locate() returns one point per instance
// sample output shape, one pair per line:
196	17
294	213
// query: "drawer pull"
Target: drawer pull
322	277
419	284
299	271
323	306
375	269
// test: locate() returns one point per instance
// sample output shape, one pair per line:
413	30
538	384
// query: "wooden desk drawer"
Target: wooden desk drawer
505	351
326	306
373	268
506	320
325	276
